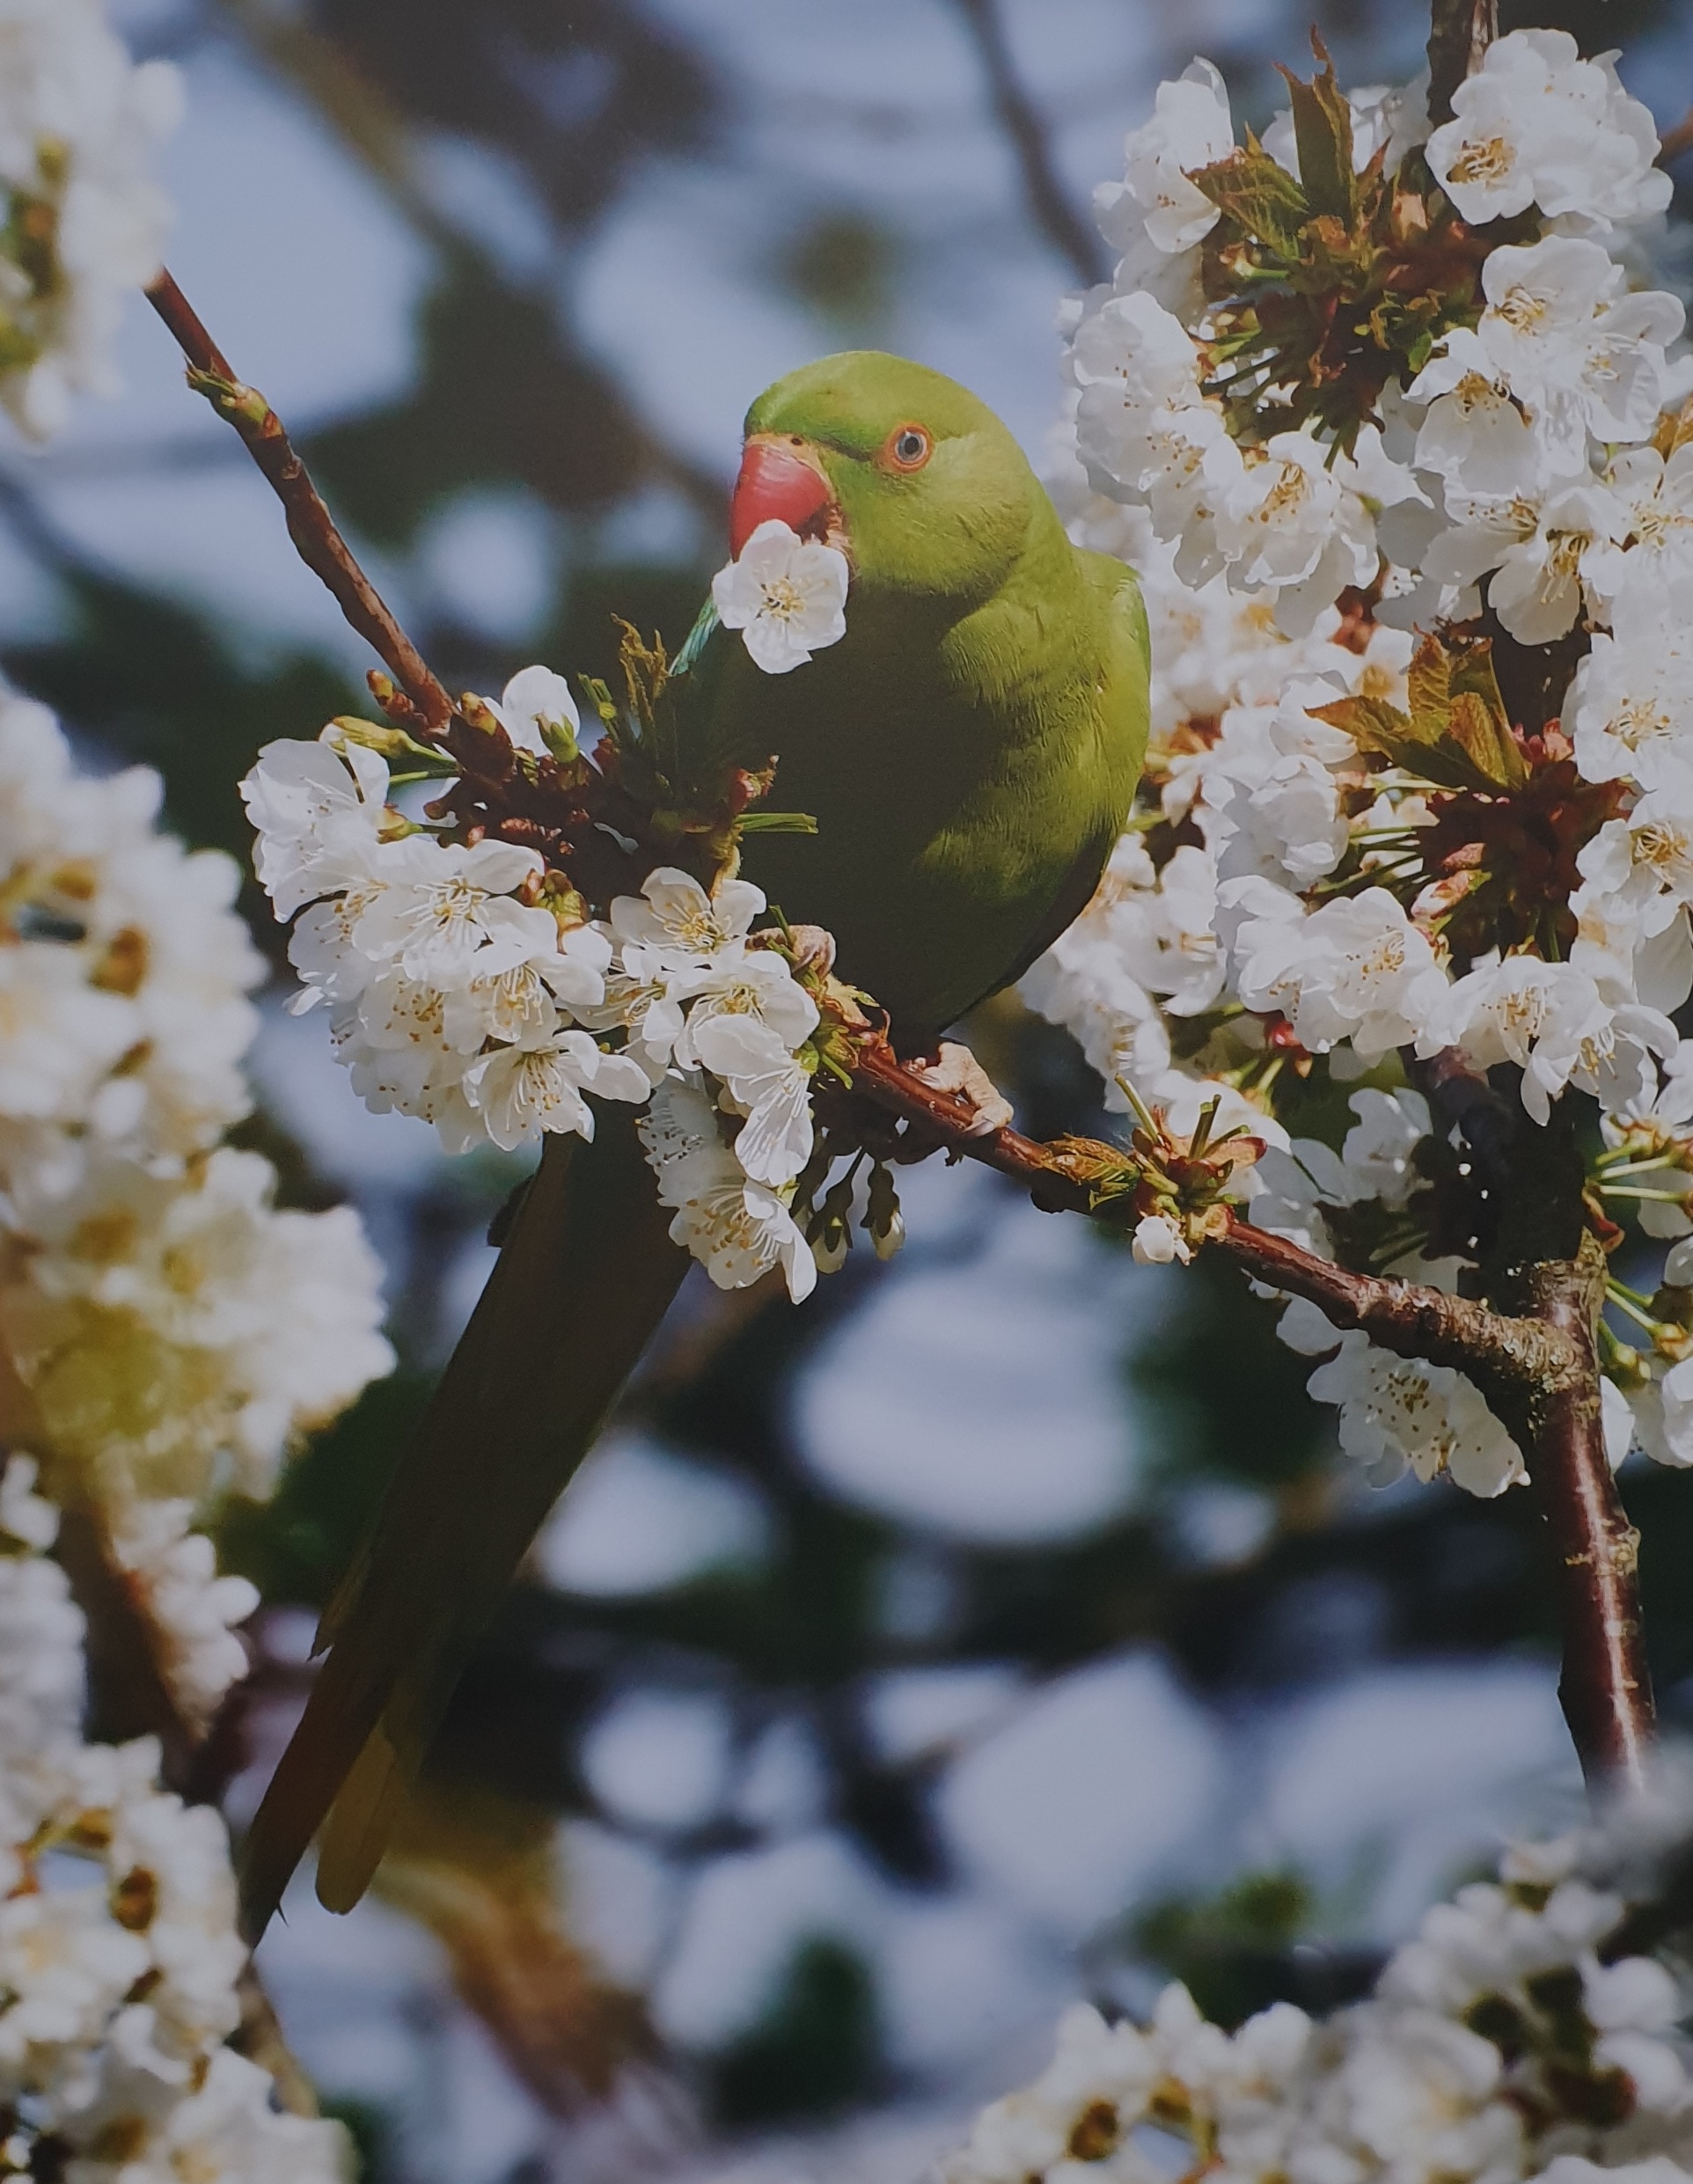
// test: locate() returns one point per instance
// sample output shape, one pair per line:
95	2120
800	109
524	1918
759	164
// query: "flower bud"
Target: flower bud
884	1223
831	1232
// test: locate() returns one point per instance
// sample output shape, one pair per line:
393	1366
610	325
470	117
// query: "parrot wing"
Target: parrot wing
1122	695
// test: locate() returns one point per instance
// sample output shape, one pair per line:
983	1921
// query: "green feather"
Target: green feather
970	751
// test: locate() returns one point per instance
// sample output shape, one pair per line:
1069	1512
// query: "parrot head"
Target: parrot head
912	477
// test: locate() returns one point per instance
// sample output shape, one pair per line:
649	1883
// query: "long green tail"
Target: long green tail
581	1285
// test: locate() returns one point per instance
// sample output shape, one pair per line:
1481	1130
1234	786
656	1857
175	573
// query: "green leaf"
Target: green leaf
1322	129
1454	692
777	822
1457	734
1261	199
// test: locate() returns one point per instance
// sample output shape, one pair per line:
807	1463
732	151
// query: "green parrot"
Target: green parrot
969	751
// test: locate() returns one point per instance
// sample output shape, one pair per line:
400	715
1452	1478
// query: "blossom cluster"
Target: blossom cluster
119	1954
1501	2043
466	986
168	1332
1421	780
81	220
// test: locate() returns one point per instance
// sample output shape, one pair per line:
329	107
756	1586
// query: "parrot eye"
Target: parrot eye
909	448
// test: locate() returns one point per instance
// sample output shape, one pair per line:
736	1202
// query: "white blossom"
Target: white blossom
1550	551
1397	1412
1157	1242
1551	1021
1356	969
768	1086
1580	356
738	1229
1535	124
675	915
536	1086
1629	711
1190	127
317	808
785	594
192	1609
535	699
79	130
1477	433
1406	2085
167	1325
1657	561
442	913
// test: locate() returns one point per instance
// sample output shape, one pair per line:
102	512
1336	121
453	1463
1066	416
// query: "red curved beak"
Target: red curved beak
775	484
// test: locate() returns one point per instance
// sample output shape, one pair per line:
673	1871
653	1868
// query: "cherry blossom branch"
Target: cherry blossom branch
1460	33
1520	1354
1537	1366
309	524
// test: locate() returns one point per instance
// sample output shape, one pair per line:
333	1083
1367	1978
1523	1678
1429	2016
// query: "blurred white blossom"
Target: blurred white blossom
81	220
1480	2057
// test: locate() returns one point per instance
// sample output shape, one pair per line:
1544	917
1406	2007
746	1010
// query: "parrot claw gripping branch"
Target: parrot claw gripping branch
674	796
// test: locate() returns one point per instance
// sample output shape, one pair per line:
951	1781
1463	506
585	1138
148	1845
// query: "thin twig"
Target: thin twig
1677	141
309	524
1064	227
1461	31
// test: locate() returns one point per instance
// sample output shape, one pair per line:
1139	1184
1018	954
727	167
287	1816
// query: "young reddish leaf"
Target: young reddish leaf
1322	129
1423	744
1479	719
1261	199
1486	740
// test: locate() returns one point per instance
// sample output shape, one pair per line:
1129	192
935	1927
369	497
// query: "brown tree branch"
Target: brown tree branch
1606	1687
1677	141
1058	219
1408	1318
1461	31
309	524
1535	1363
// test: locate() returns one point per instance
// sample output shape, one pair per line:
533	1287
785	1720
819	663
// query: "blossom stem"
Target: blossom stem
1618	1164
1652	1327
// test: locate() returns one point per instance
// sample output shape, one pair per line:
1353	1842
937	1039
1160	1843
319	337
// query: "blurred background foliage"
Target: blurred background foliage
996	1627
